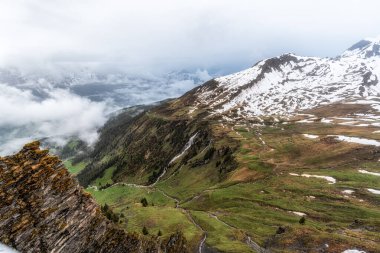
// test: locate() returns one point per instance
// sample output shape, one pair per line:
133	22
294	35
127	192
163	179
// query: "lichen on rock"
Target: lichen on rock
44	209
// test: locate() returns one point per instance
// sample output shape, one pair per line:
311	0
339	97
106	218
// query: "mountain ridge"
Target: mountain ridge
289	83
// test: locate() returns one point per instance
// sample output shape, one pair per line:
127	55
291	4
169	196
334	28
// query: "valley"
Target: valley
190	126
281	157
296	173
262	195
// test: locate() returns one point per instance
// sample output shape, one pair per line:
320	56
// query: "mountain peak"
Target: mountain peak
289	84
365	48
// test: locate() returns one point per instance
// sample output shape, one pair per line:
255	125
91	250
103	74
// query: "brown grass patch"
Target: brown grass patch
244	174
339	110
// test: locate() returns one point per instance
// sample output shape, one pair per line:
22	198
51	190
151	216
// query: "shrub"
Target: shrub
144	202
145	231
209	153
107	211
280	230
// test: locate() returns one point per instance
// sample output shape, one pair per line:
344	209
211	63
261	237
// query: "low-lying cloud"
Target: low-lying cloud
61	114
59	106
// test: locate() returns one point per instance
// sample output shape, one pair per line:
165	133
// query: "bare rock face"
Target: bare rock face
43	209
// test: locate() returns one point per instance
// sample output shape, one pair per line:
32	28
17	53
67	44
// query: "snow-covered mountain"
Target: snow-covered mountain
289	83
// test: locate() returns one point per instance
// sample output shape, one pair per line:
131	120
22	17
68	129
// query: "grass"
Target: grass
126	196
221	236
160	214
260	207
106	178
74	169
262	199
188	182
166	219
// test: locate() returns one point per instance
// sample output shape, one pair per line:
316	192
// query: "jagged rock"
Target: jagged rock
43	209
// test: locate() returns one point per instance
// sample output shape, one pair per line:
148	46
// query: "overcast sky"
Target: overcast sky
165	35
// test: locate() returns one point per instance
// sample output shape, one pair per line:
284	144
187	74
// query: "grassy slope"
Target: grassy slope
160	214
74	169
266	193
257	198
220	235
106	177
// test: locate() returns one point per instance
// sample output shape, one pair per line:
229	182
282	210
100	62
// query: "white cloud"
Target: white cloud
62	114
170	34
37	107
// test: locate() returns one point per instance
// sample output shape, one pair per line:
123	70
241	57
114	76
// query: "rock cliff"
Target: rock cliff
43	209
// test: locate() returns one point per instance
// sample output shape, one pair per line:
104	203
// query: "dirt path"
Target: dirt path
189	216
255	246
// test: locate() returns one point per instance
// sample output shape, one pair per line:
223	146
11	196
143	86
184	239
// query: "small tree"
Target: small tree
145	231
144	202
159	233
302	220
280	230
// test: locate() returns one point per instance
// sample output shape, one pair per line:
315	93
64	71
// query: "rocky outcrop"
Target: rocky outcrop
43	209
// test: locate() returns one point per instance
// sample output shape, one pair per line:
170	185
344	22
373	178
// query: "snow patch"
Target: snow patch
191	110
306	121
348	192
374	191
357	140
326	121
369	172
311	136
353	251
297	213
331	180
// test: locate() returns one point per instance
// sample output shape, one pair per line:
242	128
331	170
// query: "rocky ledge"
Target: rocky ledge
43	209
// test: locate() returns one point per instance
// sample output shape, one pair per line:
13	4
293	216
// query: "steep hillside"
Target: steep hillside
282	157
43	209
144	144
